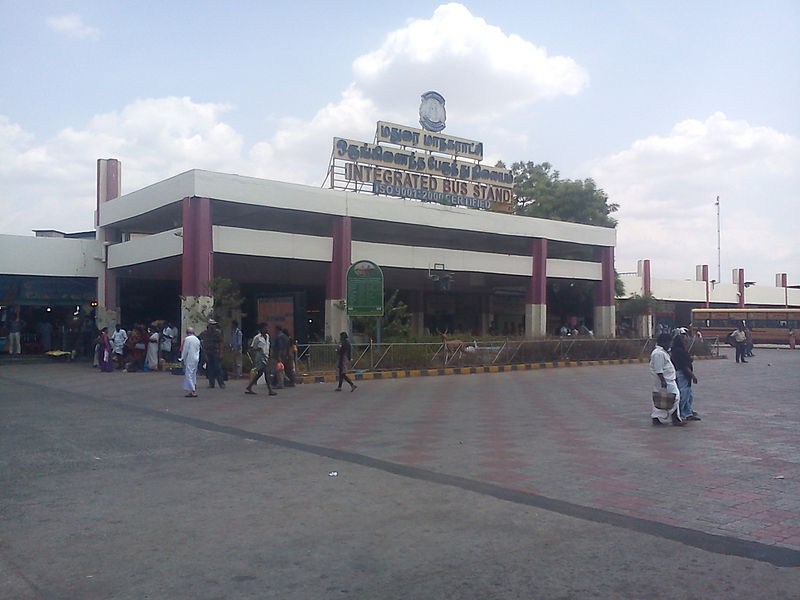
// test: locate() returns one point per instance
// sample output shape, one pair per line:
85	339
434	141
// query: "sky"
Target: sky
666	105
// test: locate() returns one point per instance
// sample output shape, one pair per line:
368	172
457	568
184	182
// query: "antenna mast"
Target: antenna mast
719	253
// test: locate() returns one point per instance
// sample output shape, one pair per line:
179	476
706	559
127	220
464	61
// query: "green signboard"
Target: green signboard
364	290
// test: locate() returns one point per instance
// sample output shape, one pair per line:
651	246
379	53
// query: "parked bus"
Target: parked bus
769	325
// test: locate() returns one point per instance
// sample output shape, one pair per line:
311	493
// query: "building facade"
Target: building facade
286	240
289	246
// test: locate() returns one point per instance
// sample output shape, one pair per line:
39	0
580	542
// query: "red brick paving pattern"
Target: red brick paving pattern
576	434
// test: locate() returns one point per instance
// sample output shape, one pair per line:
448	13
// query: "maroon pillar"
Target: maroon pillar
336	288
741	288
647	283
198	252
537	288
605	291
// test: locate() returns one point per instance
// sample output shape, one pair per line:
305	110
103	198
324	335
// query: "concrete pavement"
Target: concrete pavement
523	484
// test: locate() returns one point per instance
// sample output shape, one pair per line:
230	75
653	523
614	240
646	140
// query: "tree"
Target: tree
540	192
638	305
395	322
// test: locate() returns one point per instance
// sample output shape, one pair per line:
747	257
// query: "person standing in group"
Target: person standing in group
740	341
260	346
344	353
212	350
236	348
118	339
190	357
15	335
291	358
663	373
105	352
151	358
682	361
168	335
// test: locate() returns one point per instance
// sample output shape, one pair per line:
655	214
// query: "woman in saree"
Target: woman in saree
104	351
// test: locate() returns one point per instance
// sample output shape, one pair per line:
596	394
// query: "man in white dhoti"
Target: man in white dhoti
663	372
118	339
190	357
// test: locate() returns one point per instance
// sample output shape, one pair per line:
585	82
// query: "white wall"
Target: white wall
679	290
724	293
263	192
574	269
251	242
633	285
45	256
757	294
419	257
144	249
146	199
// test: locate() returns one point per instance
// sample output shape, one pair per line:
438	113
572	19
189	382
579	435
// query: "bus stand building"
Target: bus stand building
157	248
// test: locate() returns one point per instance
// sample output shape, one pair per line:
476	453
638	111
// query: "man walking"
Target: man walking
344	353
260	346
212	349
663	372
190	357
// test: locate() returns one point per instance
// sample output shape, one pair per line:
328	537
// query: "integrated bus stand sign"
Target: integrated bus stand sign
364	290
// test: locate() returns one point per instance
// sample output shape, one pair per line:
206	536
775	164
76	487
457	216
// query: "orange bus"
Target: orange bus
769	325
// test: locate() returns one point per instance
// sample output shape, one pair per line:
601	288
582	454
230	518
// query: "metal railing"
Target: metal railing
322	358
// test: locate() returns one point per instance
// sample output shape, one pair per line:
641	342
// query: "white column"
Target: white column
535	320
605	321
336	320
195	312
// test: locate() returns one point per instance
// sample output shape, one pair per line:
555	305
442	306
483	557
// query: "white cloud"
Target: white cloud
482	71
51	184
73	26
300	150
667	186
485	72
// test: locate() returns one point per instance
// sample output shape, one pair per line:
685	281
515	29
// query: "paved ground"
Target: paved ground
534	484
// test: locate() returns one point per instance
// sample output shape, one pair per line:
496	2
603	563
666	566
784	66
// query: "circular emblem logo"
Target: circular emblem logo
432	114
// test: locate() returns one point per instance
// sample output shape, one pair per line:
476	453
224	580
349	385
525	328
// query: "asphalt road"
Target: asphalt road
514	485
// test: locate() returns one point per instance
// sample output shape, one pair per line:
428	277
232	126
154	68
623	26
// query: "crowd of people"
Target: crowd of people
159	346
141	348
273	359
